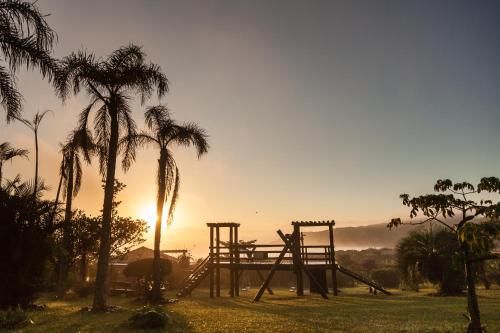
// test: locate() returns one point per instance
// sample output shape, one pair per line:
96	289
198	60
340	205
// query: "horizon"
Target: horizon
302	124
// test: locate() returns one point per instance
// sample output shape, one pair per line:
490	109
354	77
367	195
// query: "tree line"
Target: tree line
105	130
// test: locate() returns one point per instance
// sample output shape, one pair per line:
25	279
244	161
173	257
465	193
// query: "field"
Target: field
354	311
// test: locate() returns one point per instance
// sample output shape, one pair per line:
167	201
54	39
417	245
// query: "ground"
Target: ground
354	311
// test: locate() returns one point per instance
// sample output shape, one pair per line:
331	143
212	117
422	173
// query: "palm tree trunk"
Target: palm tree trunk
472	304
105	244
36	163
156	296
64	263
56	202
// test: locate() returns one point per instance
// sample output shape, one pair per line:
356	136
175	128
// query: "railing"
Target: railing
268	253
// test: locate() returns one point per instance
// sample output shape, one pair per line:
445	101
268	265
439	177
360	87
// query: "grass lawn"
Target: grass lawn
354	311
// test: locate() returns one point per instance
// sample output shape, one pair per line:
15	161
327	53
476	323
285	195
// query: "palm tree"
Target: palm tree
79	144
33	126
163	132
25	40
7	153
110	84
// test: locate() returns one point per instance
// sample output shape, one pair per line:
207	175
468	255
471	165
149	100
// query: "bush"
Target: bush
388	278
149	318
25	244
13	319
84	289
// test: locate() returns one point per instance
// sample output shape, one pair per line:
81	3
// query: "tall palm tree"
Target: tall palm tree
111	83
79	144
26	40
7	153
33	126
163	132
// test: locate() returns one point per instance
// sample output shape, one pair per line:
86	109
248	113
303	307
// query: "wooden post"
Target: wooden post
211	262
296	259
237	255
231	259
265	284
332	260
217	267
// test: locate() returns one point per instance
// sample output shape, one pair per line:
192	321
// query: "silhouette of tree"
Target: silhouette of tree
33	126
164	132
25	40
7	153
473	238
110	83
25	241
79	144
434	255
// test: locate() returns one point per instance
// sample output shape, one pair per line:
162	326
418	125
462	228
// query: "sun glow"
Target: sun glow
148	213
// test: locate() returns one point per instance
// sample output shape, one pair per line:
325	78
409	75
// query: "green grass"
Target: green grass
354	311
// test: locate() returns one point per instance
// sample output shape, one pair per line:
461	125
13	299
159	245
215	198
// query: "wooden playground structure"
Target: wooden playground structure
235	256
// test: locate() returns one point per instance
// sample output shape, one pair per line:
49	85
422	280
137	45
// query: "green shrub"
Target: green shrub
84	289
387	277
149	318
12	319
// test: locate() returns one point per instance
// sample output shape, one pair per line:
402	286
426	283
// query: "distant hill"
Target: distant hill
374	235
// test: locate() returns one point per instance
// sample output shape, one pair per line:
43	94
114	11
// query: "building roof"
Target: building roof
138	254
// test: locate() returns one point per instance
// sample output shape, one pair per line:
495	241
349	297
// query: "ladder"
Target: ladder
194	278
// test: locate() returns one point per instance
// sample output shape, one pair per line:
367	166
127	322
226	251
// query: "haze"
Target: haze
315	110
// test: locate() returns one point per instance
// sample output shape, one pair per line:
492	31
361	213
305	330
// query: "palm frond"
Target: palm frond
78	175
175	197
7	152
11	99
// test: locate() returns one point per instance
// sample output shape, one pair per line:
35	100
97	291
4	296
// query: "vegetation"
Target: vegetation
25	246
38	235
110	83
26	40
353	311
78	143
164	132
474	238
8	153
388	278
34	125
434	255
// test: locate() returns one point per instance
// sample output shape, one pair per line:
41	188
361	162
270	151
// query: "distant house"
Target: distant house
117	280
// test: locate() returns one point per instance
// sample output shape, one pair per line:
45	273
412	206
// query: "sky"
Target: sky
315	109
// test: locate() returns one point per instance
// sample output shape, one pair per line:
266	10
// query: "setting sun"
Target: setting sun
148	213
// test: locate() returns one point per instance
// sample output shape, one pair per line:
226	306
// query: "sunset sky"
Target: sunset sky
315	110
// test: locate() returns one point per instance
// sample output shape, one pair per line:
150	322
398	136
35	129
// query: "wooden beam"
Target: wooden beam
211	262
217	267
269	277
296	259
237	260
304	267
332	261
231	258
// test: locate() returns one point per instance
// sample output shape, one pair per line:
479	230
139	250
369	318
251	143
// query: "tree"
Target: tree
472	237
434	255
110	84
78	144
7	153
164	132
33	126
25	242
25	40
85	230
